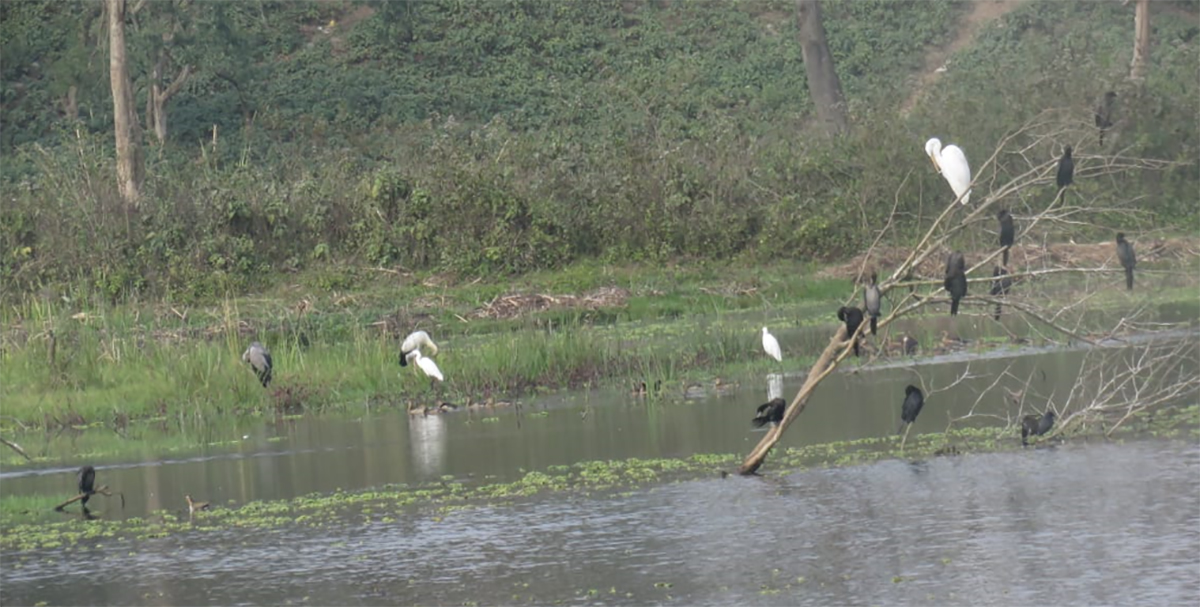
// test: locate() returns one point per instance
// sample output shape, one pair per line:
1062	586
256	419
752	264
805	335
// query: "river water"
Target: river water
1077	523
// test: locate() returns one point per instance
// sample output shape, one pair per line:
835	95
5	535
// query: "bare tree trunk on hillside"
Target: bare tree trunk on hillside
128	133
159	96
1141	42
823	84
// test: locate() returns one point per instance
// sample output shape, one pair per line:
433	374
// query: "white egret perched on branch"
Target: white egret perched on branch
416	339
771	345
951	162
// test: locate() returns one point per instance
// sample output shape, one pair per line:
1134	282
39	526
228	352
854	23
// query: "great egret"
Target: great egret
87	483
194	507
1066	169
260	360
873	300
956	280
416	339
1032	425
1008	232
913	401
771	345
769	413
426	364
853	317
951	162
1104	113
1128	259
1001	283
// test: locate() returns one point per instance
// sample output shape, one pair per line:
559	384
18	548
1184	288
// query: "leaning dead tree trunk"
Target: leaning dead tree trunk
823	84
1141	42
822	368
128	133
1021	174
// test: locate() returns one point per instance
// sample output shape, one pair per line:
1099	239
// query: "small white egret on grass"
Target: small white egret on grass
416	339
426	365
951	162
260	360
771	345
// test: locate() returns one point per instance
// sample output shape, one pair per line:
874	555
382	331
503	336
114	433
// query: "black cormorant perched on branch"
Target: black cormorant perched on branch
769	413
1066	169
853	317
1128	259
956	279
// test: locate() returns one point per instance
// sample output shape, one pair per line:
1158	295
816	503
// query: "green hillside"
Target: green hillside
499	137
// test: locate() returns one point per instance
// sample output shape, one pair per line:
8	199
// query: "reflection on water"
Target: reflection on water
774	386
1078	524
427	438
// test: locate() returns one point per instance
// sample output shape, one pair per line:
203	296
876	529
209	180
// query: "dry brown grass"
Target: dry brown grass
1022	256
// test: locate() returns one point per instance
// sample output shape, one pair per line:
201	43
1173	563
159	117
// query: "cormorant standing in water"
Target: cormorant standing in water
913	401
853	317
87	484
770	412
1128	259
873	300
1032	425
1104	113
956	279
1066	169
1001	283
1008	232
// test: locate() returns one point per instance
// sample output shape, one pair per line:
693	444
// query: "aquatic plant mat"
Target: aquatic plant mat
28	525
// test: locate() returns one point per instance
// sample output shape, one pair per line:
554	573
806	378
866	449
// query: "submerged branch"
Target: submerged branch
17	448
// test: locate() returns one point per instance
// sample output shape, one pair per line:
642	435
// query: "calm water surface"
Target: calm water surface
1075	525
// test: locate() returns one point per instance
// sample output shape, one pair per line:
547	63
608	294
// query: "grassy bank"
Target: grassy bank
82	363
88	363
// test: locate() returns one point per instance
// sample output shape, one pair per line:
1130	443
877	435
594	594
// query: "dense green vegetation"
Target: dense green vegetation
497	138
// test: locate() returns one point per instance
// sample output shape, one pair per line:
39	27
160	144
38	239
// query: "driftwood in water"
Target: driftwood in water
103	490
17	448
